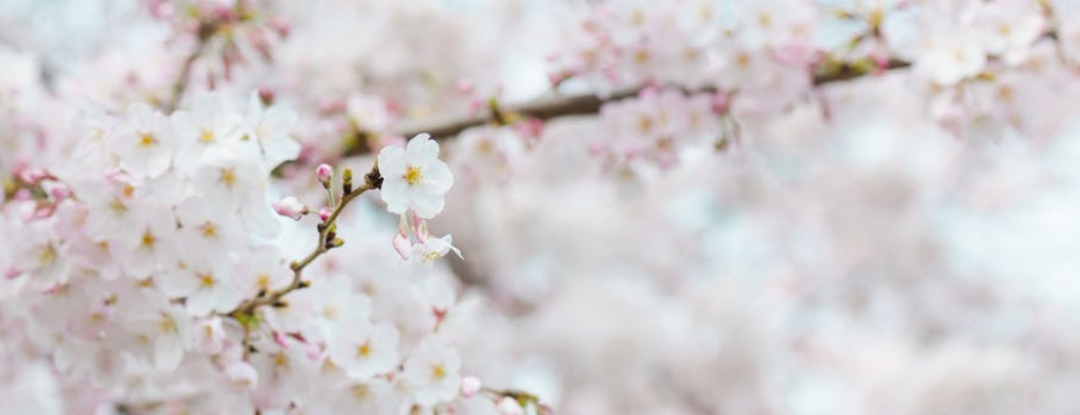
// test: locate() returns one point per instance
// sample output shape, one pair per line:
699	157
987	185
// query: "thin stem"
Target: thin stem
325	242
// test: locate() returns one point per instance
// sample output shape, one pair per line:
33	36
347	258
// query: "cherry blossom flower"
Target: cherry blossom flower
365	351
206	285
414	178
432	373
145	142
167	331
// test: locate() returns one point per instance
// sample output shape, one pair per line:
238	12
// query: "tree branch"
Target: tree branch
589	104
246	310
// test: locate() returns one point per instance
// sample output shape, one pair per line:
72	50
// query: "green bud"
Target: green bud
347	185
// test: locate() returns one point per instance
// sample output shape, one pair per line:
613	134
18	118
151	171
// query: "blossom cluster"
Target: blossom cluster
670	207
136	259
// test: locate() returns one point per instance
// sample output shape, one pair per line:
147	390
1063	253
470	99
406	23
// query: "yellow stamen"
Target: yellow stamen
361	391
207	280
262	281
148	240
47	255
413	176
742	60
645	124
765	19
431	256
209	230
280	360
228	176
168	324
641	57
206	137
147	140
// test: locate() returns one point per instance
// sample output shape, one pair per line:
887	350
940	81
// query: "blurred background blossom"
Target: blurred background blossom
738	237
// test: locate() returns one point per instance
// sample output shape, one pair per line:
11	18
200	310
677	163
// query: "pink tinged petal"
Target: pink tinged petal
280	339
403	246
470	386
290	207
419	228
324	173
509	406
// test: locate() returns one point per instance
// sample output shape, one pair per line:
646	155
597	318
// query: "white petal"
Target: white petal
177	284
421	149
395	194
168	352
200	303
392	162
438	177
428	206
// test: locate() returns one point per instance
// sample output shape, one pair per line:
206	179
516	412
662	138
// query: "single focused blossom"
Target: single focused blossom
414	179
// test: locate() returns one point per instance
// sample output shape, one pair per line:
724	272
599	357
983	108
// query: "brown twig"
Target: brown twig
587	104
206	31
327	241
181	83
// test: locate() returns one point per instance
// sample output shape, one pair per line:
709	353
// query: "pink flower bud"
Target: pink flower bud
280	26
266	95
469	386
463	86
57	190
324	173
324	214
290	207
510	406
32	175
280	338
720	103
530	128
